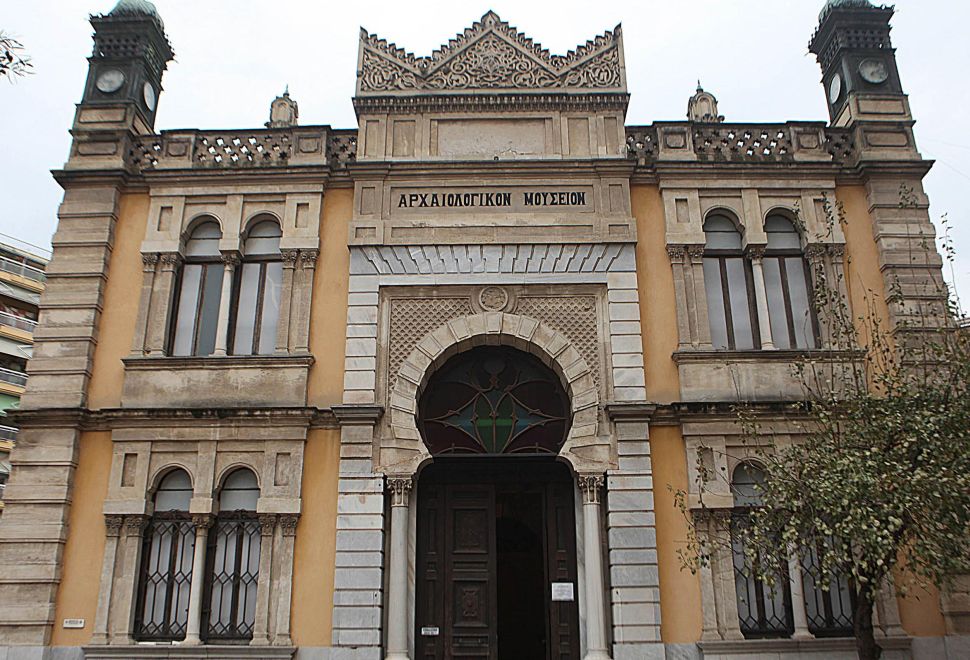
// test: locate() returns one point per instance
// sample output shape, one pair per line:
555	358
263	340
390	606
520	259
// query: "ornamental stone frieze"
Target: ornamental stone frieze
490	55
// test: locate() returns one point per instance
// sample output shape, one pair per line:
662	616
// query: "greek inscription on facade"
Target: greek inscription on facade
427	200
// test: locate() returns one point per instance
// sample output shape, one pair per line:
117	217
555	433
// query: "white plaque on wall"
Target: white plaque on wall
563	591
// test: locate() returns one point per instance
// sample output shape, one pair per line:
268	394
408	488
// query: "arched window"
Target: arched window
166	563
256	308
494	400
763	611
793	324
728	283
200	289
232	562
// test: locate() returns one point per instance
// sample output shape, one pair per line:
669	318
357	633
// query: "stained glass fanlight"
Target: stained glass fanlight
494	400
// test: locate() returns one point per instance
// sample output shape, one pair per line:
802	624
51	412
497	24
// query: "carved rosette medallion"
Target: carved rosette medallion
493	298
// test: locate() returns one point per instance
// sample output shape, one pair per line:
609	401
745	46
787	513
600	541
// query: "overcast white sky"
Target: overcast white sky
234	56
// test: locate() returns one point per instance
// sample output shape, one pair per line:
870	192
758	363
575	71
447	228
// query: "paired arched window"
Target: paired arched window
199	292
166	562
232	561
256	304
728	283
787	285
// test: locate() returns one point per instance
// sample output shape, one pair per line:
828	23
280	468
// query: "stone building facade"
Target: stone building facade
423	388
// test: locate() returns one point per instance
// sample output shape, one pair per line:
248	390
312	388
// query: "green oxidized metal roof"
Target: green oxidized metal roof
142	7
836	4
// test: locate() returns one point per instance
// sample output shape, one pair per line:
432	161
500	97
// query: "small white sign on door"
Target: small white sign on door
563	591
429	631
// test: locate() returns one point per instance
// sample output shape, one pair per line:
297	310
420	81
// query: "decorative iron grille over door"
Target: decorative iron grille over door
232	572
166	576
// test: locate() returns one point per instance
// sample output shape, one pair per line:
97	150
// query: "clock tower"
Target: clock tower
124	81
858	63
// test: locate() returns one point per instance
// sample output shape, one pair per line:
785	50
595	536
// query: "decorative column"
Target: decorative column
695	274
286	298
308	263
162	303
112	526
799	613
757	254
267	532
120	632
686	313
725	589
229	262
149	263
288	523
202	522
709	628
591	485
397	592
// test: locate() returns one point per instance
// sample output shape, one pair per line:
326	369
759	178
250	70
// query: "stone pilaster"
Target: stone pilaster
288	523
267	535
149	266
286	302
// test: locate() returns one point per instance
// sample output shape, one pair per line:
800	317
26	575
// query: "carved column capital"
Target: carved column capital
696	253
203	520
676	253
756	252
170	260
400	490
308	259
815	252
113	523
591	485
288	523
267	523
836	250
148	261
135	525
230	259
289	258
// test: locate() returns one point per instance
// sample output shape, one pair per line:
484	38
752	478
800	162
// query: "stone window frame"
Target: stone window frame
163	254
717	443
155	452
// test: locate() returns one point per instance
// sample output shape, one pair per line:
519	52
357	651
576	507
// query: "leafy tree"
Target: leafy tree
13	61
879	485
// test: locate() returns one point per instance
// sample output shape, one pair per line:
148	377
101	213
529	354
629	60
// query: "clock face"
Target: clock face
148	92
110	81
873	71
835	88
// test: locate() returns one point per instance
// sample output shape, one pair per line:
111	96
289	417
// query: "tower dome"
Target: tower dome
838	4
142	7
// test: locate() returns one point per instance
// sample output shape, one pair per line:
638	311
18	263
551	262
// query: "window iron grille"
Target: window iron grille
166	577
764	610
232	574
829	599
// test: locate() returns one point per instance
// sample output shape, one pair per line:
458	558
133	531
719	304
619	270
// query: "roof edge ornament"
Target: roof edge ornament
494	57
137	8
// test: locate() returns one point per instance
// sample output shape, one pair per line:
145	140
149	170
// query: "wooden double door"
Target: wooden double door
496	561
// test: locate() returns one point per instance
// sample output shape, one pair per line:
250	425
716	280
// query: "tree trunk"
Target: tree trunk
865	641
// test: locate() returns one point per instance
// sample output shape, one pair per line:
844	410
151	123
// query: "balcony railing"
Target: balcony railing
17	268
8	433
13	377
17	322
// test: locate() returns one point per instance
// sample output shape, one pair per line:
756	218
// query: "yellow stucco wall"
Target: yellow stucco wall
328	314
316	541
680	594
680	590
122	294
77	595
920	610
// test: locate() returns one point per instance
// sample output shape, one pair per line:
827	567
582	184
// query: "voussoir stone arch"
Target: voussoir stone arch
403	450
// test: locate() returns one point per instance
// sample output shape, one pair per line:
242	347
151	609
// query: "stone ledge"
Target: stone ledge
817	645
134	363
176	651
765	355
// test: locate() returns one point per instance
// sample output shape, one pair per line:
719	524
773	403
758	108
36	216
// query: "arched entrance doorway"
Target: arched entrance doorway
496	550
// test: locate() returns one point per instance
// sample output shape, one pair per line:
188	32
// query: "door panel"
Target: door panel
457	599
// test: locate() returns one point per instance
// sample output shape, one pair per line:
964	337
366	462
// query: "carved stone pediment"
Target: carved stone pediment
491	56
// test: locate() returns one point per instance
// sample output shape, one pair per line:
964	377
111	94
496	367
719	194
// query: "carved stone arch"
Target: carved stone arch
259	216
155	479
198	219
403	450
728	212
232	467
